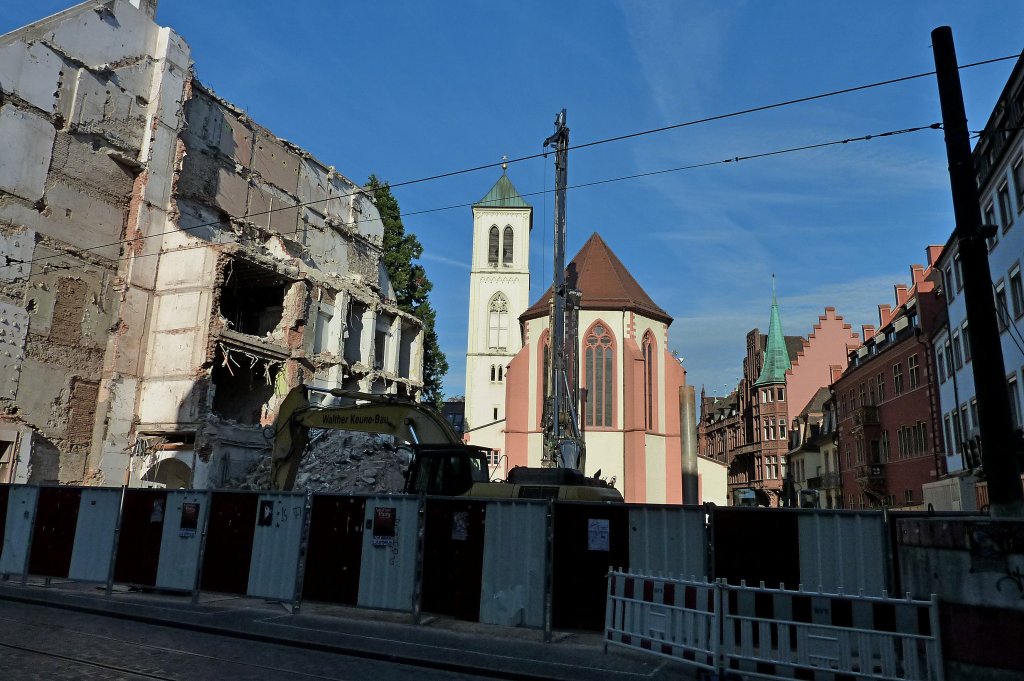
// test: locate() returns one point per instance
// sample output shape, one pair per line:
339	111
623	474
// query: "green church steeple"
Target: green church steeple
776	356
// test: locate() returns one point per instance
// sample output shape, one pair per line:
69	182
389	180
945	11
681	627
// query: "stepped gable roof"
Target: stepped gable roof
606	285
502	195
776	353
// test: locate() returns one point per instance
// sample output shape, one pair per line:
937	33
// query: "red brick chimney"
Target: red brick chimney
884	315
901	294
867	331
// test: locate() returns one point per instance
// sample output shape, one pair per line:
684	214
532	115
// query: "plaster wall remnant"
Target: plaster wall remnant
175	268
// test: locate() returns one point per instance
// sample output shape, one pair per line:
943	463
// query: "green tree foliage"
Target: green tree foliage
411	285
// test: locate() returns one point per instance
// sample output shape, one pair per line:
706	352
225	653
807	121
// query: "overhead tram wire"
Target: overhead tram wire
10	262
664	171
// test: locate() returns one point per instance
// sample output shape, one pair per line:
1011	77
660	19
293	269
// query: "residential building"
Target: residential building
172	267
749	428
999	161
632	382
888	402
808	459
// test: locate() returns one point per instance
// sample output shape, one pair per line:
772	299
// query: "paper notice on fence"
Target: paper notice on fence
598	535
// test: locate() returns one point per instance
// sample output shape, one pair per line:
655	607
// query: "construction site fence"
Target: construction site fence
531	563
737	631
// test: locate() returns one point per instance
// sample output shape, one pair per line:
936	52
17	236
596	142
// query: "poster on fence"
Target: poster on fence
266	514
189	519
383	526
598	535
460	525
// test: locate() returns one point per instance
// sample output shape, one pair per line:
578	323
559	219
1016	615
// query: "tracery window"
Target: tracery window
506	246
497	322
599	372
649	380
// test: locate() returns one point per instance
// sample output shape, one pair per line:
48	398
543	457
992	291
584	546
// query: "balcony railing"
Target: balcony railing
865	416
871	476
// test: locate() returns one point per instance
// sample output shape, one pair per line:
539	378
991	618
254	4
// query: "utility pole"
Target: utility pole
563	445
1006	498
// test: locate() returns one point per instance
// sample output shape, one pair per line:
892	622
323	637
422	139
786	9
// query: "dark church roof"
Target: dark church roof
605	282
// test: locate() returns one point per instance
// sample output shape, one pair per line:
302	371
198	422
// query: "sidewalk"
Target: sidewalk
436	643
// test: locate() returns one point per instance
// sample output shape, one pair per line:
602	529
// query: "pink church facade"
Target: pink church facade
631	414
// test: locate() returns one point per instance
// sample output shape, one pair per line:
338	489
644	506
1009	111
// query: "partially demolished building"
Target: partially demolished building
168	268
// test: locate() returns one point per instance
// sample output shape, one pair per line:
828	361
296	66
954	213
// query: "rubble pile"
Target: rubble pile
340	461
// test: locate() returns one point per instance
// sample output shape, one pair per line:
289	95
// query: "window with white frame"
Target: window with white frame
1011	389
958	272
497	330
897	378
958	361
913	371
966	341
1016	292
940	364
880	384
1005	210
1002	314
1018	183
990	219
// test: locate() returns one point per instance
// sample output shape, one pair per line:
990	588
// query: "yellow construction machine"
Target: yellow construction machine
441	463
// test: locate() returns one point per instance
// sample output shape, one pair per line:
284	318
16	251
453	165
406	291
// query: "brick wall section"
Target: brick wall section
82	411
68	307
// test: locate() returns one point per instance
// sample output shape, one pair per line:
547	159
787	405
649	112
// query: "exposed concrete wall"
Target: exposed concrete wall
169	260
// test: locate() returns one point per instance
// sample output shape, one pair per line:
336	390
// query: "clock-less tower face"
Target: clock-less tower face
499	291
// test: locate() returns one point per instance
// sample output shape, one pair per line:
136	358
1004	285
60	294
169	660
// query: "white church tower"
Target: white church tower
499	291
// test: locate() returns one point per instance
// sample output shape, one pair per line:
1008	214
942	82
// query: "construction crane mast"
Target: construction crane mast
563	441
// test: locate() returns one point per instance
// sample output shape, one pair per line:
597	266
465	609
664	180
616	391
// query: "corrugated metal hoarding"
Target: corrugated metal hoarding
387	572
183	527
275	545
21	510
514	563
98	512
668	540
843	550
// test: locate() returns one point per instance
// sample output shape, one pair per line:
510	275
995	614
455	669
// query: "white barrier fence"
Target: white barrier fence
754	632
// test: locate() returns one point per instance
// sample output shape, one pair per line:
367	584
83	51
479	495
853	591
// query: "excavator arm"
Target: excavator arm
385	414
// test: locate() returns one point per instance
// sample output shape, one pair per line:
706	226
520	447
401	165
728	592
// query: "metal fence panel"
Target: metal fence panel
515	543
774	634
678	619
21	511
668	540
143	516
334	548
53	531
275	546
755	545
98	512
181	541
387	571
843	551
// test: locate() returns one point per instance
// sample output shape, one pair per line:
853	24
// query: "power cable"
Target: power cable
607	140
694	166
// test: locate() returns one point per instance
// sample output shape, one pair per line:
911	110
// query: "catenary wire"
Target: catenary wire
693	166
708	119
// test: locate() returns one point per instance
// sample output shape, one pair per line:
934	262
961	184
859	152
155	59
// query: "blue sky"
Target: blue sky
411	89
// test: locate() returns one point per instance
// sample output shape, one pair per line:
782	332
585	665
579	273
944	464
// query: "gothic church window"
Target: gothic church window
492	246
599	375
650	377
497	322
506	246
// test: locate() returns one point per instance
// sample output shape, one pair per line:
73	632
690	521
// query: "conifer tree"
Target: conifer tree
411	284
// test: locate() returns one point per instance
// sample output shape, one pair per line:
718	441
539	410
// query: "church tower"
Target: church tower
499	291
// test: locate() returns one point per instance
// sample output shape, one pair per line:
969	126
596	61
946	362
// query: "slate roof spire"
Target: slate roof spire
776	356
503	194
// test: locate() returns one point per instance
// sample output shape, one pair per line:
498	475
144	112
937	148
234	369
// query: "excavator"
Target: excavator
441	463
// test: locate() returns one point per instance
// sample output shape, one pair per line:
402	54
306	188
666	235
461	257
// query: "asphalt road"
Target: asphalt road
39	642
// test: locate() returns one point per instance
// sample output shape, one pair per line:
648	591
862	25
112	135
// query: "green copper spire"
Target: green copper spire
502	195
776	357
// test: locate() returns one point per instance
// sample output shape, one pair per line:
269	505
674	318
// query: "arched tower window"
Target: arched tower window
599	373
492	246
497	322
506	246
650	379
